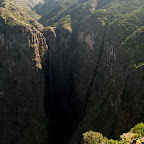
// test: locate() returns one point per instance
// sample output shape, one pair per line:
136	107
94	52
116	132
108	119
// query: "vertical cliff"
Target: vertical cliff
63	104
99	57
91	76
22	84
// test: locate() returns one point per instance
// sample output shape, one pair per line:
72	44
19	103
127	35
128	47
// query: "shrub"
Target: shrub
138	129
91	137
136	135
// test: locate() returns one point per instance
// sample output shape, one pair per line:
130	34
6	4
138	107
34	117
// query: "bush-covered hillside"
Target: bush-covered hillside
77	9
134	136
127	15
17	12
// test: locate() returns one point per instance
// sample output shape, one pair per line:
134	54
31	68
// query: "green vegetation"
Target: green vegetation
124	17
136	135
65	23
138	129
77	10
50	29
94	138
127	17
26	7
16	12
135	45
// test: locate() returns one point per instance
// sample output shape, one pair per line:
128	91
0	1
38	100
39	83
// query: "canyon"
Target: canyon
67	67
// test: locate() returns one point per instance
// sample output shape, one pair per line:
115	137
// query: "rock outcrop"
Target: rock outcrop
22	85
102	64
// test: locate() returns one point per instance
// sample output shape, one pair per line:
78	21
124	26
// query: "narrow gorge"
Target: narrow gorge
67	67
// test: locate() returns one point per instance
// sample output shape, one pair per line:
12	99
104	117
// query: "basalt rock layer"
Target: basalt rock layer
22	84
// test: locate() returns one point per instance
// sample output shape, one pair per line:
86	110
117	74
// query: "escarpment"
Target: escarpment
22	85
63	104
82	71
101	65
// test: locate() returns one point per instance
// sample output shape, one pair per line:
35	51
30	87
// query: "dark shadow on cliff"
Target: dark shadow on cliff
61	103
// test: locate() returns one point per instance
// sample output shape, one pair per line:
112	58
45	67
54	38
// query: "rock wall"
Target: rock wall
101	71
91	77
63	104
114	100
22	85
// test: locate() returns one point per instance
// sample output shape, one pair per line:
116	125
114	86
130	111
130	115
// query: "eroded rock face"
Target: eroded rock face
100	69
113	104
89	77
22	85
63	104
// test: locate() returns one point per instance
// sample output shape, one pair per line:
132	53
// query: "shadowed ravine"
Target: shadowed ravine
95	72
61	120
75	67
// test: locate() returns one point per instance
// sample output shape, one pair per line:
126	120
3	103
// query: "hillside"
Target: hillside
77	9
26	6
15	12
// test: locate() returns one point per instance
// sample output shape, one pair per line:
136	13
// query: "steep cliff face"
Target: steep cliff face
63	104
103	55
111	100
90	78
22	85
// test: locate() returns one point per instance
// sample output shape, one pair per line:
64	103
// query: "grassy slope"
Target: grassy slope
129	16
44	7
26	6
78	10
14	14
